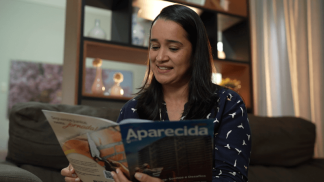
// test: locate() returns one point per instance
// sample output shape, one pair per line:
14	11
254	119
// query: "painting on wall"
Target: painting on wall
32	81
108	80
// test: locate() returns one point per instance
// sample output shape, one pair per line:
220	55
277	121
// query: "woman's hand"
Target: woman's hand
69	174
119	177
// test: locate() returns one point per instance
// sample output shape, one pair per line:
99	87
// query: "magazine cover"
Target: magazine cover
172	151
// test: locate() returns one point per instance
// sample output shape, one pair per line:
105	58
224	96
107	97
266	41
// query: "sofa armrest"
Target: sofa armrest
9	172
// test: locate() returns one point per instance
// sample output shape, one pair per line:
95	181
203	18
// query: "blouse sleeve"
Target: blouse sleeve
232	140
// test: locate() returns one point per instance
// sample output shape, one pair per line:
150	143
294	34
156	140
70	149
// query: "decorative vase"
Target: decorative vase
116	88
98	87
138	32
97	32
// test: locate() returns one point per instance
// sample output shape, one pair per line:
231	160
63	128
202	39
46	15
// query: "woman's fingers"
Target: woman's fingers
115	176
66	172
70	167
69	174
146	178
121	176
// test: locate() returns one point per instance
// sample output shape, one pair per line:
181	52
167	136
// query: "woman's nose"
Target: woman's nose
162	56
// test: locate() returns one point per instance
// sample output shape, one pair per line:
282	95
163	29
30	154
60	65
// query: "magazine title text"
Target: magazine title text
193	131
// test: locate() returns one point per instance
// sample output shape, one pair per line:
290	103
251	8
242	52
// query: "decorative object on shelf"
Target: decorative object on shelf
231	84
224	4
97	32
108	80
98	87
138	32
116	89
199	2
220	51
217	78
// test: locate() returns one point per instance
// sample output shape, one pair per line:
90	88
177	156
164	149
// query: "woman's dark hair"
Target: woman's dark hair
201	88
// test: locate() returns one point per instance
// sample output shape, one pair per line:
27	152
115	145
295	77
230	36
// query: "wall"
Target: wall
33	30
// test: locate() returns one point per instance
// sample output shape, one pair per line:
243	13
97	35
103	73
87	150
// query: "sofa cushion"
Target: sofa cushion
311	171
281	141
45	174
11	173
32	140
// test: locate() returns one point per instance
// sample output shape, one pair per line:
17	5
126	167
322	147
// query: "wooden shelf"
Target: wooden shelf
233	61
115	52
238	71
106	97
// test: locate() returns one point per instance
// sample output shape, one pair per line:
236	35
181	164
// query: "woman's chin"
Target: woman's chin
163	82
171	82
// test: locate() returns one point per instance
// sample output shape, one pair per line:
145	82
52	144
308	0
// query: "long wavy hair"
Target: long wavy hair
201	89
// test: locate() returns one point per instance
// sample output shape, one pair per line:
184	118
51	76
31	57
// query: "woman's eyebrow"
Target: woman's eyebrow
174	41
169	41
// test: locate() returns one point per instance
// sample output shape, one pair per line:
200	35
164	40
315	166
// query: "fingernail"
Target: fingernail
71	169
73	175
77	179
112	174
117	170
138	176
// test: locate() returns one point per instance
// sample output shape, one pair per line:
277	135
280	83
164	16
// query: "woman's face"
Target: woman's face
170	53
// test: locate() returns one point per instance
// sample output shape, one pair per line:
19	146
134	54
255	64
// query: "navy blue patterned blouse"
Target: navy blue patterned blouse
232	135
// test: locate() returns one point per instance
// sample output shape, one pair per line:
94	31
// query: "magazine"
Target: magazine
172	151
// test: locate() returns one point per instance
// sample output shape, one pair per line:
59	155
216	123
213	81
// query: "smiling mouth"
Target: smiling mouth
164	68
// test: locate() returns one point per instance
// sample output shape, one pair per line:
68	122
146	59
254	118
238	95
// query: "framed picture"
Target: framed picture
32	81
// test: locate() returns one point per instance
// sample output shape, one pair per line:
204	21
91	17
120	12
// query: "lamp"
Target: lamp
149	9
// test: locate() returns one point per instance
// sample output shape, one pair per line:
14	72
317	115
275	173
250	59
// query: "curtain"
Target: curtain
288	60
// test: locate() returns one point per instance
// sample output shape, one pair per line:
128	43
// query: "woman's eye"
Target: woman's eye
173	49
154	47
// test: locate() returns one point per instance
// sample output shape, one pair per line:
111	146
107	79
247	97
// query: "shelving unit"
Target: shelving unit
233	24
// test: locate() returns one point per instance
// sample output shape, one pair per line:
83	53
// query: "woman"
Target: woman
178	86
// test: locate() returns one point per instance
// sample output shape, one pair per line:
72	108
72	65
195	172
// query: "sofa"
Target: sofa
282	147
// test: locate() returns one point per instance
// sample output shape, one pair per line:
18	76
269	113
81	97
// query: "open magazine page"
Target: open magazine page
172	151
92	145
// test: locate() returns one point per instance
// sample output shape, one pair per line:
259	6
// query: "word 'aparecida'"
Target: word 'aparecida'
194	131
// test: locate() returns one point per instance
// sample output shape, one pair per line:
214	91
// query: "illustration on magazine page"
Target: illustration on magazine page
92	145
